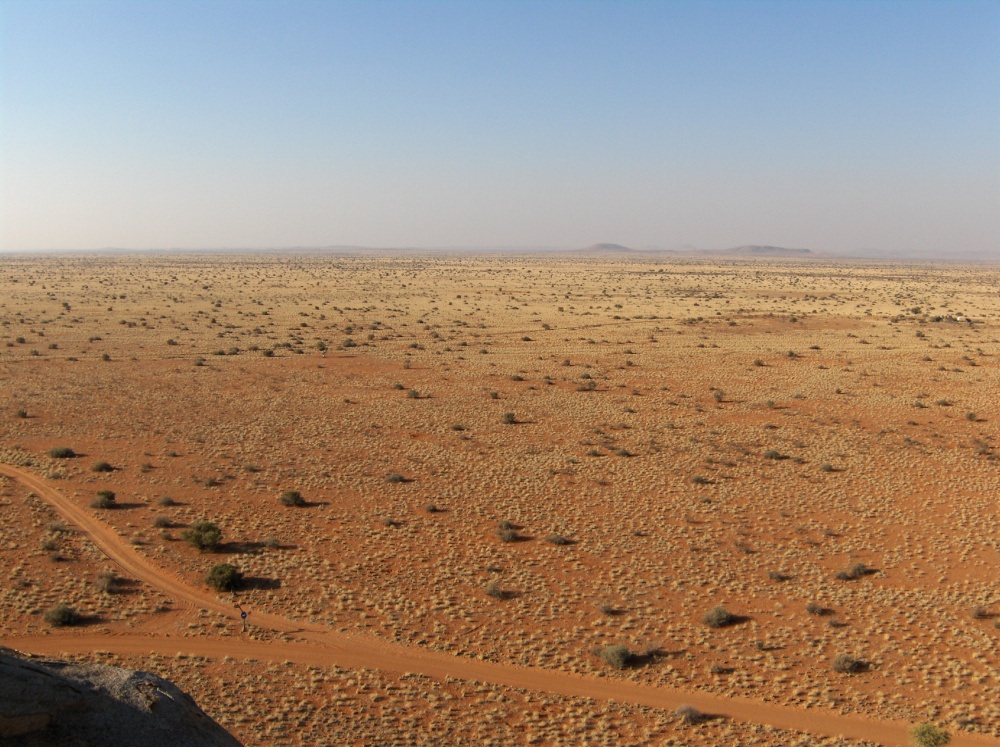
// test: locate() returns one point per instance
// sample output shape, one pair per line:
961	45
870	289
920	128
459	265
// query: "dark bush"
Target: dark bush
718	617
105	499
616	655
688	714
62	615
107	583
292	498
61	452
102	467
224	577
847	664
929	735
204	535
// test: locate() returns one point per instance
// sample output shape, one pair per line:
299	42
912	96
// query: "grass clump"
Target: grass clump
204	535
61	452
102	467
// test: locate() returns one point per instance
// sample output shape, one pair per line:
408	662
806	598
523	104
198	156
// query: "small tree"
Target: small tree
105	499
62	615
616	655
292	498
928	735
718	617
224	577
204	535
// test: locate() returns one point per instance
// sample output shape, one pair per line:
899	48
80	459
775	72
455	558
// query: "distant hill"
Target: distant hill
606	249
768	251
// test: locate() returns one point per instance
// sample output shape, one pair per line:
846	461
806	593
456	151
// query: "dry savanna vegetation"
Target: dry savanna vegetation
769	479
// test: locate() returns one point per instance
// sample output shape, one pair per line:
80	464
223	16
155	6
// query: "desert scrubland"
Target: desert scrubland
523	460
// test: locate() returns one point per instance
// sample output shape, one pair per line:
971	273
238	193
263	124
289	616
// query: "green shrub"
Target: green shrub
509	418
292	498
204	535
62	615
61	452
928	735
102	467
224	577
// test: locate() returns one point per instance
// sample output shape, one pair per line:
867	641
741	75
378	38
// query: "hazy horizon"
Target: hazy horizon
848	128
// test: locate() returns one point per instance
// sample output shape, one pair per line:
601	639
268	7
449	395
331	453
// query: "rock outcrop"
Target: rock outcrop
44	702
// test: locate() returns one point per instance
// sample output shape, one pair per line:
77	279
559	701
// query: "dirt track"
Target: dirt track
317	646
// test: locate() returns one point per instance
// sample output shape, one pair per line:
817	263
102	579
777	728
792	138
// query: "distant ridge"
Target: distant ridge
606	249
768	251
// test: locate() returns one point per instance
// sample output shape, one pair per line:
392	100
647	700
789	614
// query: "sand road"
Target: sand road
315	645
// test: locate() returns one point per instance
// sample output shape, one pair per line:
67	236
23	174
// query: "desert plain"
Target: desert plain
528	482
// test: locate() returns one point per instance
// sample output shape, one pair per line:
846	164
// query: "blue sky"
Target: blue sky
837	126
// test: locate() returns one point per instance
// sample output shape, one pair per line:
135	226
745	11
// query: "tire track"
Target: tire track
318	646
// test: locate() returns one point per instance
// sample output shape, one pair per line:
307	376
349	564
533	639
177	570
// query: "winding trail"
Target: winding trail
318	646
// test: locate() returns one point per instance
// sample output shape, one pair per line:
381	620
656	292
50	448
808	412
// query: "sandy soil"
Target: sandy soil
702	434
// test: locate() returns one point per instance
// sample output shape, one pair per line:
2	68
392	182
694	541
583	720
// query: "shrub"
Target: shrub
688	714
272	543
493	590
105	499
772	454
508	535
204	535
928	735
102	467
815	609
224	577
616	655
856	571
292	498
107	583
62	615
557	539
432	508
166	501
162	522
509	418
21	414
847	664
395	478
718	617
61	452
718	395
